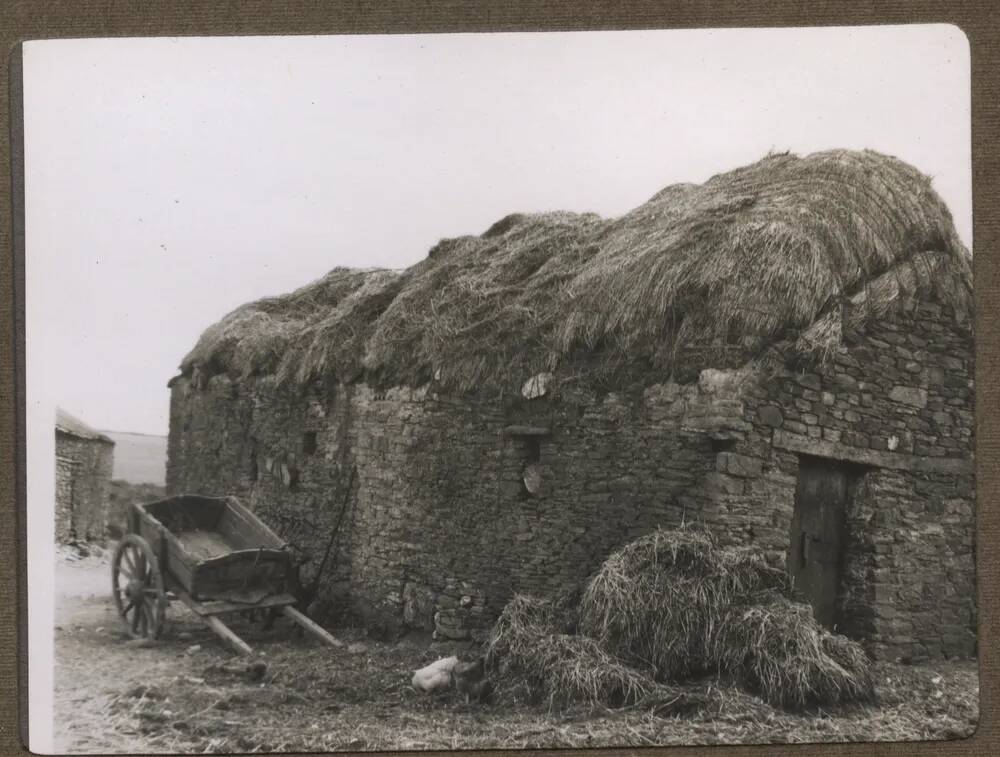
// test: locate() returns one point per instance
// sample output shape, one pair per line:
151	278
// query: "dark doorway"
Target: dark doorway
819	532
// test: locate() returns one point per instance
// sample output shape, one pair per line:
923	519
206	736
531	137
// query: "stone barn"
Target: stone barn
84	459
783	354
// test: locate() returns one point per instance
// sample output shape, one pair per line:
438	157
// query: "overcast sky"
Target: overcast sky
170	180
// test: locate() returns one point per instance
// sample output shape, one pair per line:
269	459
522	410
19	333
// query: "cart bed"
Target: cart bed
213	548
205	545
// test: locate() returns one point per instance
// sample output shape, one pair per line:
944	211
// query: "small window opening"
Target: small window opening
531	473
309	443
722	445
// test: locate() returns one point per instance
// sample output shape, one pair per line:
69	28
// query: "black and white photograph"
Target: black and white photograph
499	390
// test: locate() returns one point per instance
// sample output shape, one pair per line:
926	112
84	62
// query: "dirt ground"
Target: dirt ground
187	693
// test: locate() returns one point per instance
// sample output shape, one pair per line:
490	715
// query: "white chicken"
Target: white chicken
435	676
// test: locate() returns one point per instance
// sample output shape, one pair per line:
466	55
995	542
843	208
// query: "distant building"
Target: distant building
84	459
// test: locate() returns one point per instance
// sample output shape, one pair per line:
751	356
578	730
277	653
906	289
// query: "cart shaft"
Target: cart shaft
223	631
311	626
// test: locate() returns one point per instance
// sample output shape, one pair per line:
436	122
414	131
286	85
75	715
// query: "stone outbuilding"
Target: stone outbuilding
783	354
84	460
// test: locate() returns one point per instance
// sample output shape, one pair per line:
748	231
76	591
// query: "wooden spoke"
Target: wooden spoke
128	563
138	588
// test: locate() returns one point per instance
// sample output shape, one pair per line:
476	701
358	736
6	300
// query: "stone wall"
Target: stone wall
440	526
897	403
83	474
65	472
440	521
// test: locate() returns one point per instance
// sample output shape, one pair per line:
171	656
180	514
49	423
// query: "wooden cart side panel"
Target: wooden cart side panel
248	529
237	571
176	564
248	557
205	511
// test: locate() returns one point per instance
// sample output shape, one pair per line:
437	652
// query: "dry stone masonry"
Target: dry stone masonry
457	502
84	461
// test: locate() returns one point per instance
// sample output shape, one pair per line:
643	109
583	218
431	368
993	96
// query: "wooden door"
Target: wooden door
818	534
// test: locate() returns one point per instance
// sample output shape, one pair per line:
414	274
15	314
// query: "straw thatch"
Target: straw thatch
699	276
668	608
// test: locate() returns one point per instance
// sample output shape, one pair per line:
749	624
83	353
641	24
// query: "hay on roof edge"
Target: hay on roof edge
699	276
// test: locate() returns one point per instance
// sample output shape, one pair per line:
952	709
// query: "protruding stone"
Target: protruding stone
909	395
533	479
770	415
796	427
537	386
810	381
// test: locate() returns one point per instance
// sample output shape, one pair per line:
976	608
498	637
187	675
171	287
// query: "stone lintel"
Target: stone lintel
527	431
877	458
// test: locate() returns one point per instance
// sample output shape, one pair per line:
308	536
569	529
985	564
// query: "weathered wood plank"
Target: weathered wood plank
223	631
219	607
268	569
314	628
253	529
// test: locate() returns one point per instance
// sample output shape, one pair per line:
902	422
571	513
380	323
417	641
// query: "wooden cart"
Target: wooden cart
212	554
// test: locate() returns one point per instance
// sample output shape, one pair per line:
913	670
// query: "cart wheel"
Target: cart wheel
137	586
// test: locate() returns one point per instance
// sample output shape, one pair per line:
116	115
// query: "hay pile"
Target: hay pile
660	601
532	660
673	607
699	276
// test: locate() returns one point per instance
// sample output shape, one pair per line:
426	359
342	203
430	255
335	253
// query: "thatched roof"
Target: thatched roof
700	275
73	426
